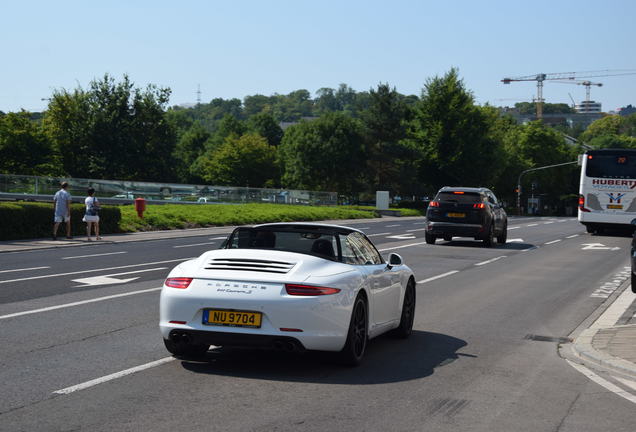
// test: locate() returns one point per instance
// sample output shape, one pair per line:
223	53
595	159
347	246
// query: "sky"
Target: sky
232	49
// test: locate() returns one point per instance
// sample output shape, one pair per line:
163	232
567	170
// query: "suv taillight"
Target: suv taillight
479	205
434	204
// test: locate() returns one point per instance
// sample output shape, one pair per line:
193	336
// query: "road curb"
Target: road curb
583	347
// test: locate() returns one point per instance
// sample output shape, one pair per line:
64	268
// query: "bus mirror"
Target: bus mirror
579	160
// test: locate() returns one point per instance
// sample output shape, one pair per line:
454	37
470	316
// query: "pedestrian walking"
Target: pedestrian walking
91	217
62	210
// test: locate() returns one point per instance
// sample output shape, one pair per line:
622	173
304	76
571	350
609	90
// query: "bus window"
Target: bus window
614	165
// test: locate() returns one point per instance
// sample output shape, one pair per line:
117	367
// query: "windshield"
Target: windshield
612	165
324	245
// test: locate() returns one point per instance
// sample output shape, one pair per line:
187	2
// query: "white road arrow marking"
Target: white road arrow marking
109	279
403	236
598	246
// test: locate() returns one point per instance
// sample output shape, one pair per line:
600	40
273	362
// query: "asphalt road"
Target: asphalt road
483	356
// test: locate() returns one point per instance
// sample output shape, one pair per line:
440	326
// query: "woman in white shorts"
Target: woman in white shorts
91	217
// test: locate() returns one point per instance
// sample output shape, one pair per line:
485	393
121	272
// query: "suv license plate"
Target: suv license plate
456	215
232	318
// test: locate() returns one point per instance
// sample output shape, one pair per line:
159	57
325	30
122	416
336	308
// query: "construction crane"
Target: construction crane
587	85
564	77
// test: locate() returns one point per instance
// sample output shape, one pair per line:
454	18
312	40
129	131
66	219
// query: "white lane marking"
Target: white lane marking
194	244
561	221
78	303
113	376
94	255
531	225
423	281
530	248
572	236
598	246
552	242
402	236
548	223
515	240
401	247
391	226
109	279
419	223
628	383
602	382
514	227
24	269
94	270
219	238
491	260
379	234
418	229
363	228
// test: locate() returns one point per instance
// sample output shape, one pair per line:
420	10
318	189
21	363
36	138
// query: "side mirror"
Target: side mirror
395	260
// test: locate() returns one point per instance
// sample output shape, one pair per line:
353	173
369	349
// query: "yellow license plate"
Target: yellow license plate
615	206
232	318
456	215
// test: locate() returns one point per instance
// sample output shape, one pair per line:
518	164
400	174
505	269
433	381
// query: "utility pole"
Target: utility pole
198	94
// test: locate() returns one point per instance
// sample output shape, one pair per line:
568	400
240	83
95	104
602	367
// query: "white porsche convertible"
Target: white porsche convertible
288	286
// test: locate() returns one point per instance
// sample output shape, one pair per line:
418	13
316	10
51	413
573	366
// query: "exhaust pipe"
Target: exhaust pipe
289	347
278	345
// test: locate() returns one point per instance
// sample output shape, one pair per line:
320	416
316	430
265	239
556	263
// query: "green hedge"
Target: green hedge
26	220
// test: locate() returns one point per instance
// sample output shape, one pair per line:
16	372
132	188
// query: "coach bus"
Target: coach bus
607	192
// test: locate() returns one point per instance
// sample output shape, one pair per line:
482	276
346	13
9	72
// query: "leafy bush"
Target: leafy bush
171	216
26	220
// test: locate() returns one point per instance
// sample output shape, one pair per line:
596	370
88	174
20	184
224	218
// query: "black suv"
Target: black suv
466	212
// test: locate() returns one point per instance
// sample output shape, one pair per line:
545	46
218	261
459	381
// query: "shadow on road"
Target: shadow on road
387	360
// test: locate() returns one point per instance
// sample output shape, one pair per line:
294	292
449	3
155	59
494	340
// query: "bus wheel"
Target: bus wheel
589	229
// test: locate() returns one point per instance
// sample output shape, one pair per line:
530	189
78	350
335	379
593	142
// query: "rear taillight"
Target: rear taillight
309	290
479	205
179	282
582	203
434	204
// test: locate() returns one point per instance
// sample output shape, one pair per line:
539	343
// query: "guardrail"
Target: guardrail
35	188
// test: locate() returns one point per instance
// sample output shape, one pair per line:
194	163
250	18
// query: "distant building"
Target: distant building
625	111
588	107
571	119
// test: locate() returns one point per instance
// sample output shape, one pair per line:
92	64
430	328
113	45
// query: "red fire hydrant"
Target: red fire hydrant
140	206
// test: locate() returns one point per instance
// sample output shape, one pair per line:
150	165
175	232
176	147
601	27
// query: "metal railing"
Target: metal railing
43	188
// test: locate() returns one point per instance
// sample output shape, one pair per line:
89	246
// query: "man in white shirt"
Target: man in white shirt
62	207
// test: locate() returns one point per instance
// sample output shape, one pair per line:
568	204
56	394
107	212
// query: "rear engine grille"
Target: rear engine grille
255	265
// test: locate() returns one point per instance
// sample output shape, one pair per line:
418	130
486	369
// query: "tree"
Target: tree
113	130
245	161
325	154
25	148
190	146
390	158
264	124
454	136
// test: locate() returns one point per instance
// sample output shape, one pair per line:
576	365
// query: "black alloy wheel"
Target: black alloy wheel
430	238
408	312
490	236
503	237
357	337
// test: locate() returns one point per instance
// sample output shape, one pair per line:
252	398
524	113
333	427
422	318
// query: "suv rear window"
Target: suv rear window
460	198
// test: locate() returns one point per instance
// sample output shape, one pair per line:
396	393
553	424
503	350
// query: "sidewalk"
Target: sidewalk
610	342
